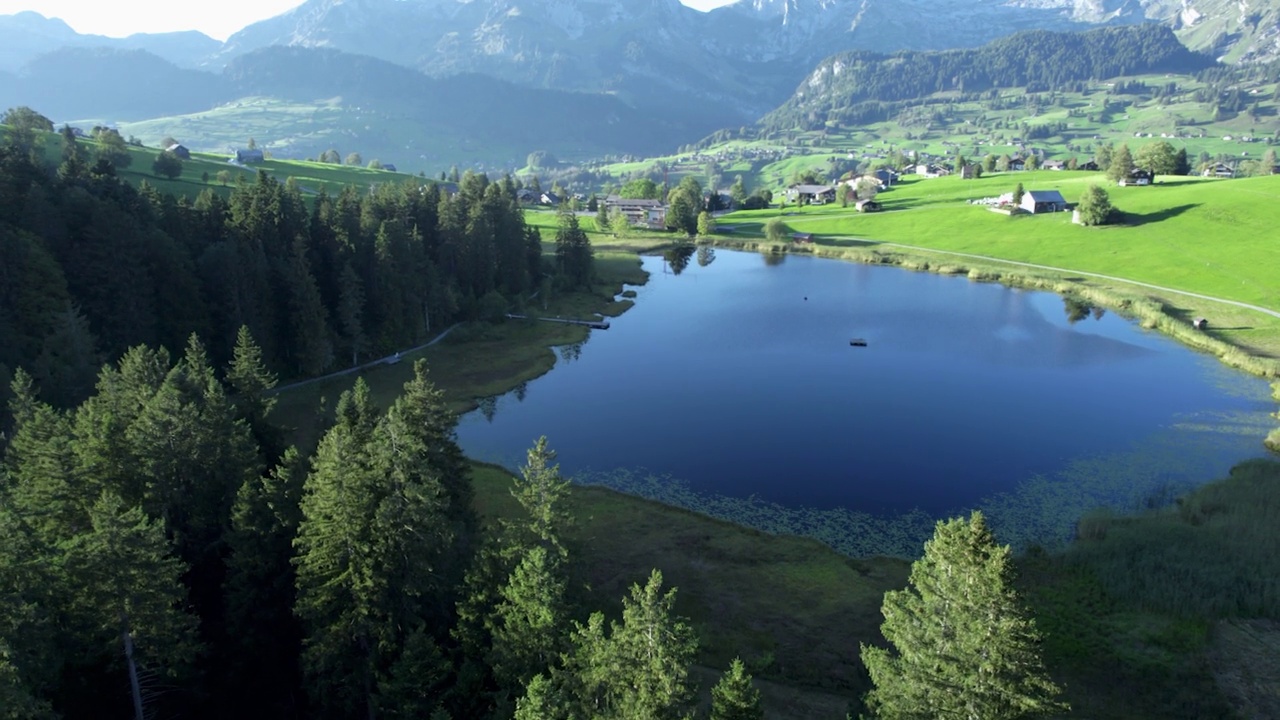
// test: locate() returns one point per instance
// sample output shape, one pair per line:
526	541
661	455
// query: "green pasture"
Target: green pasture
1214	237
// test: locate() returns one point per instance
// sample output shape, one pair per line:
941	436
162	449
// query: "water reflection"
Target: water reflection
706	255
488	407
1077	309
775	256
678	257
573	351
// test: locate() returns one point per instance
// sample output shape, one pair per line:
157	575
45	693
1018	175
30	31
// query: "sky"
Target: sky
217	19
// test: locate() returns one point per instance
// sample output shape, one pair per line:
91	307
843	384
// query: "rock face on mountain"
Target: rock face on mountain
27	35
713	69
743	58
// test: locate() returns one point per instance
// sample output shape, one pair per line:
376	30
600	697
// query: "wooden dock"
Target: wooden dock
593	324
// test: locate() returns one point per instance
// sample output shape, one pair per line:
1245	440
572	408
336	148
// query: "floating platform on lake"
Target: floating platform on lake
858	342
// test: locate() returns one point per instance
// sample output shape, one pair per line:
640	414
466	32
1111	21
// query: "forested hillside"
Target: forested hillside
93	266
842	87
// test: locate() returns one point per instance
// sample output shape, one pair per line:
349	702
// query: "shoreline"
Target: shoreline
1149	311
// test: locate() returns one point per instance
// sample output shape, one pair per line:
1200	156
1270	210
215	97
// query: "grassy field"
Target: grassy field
311	176
1212	237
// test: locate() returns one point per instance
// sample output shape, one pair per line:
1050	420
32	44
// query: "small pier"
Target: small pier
593	324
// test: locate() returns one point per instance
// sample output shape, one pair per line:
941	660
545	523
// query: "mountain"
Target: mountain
96	82
299	102
27	35
840	87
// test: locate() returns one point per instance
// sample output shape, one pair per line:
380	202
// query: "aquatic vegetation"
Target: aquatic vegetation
1042	511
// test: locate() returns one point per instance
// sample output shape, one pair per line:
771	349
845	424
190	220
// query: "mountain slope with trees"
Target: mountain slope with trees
848	84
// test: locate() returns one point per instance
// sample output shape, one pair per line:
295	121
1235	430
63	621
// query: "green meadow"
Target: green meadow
1211	237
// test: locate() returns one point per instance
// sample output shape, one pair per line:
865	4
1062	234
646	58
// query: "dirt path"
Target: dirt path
1113	278
367	365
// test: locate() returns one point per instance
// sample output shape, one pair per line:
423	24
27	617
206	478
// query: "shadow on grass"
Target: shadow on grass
1159	215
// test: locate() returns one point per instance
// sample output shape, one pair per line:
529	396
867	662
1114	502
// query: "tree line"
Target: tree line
93	266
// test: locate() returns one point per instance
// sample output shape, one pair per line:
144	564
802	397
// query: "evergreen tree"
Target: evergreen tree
312	346
129	597
380	548
543	494
641	668
966	647
540	701
250	380
351	313
734	697
1121	164
263	639
528	622
574	255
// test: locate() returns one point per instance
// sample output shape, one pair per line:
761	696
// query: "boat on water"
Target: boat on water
858	342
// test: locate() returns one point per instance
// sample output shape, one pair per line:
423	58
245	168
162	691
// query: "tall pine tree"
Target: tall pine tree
965	645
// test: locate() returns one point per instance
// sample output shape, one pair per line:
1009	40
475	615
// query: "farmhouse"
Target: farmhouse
179	150
1017	162
811	194
971	171
550	198
1042	201
1090	165
802	238
1054	165
931	171
1219	170
249	156
867	205
389	167
1136	177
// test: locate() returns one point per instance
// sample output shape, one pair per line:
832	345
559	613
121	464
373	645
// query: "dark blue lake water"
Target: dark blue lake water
737	380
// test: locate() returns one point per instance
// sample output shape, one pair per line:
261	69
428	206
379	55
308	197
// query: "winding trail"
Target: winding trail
371	363
1161	288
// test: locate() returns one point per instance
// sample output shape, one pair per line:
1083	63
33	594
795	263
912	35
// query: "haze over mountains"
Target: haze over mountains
652	63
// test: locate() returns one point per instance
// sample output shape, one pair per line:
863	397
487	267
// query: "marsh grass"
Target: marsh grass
1215	553
791	607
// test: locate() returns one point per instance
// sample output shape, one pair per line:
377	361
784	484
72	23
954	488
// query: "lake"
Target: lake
732	388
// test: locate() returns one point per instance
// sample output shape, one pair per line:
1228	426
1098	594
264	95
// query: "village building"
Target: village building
1054	165
1219	170
1136	177
249	156
811	194
867	206
550	198
1043	201
179	150
651	214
